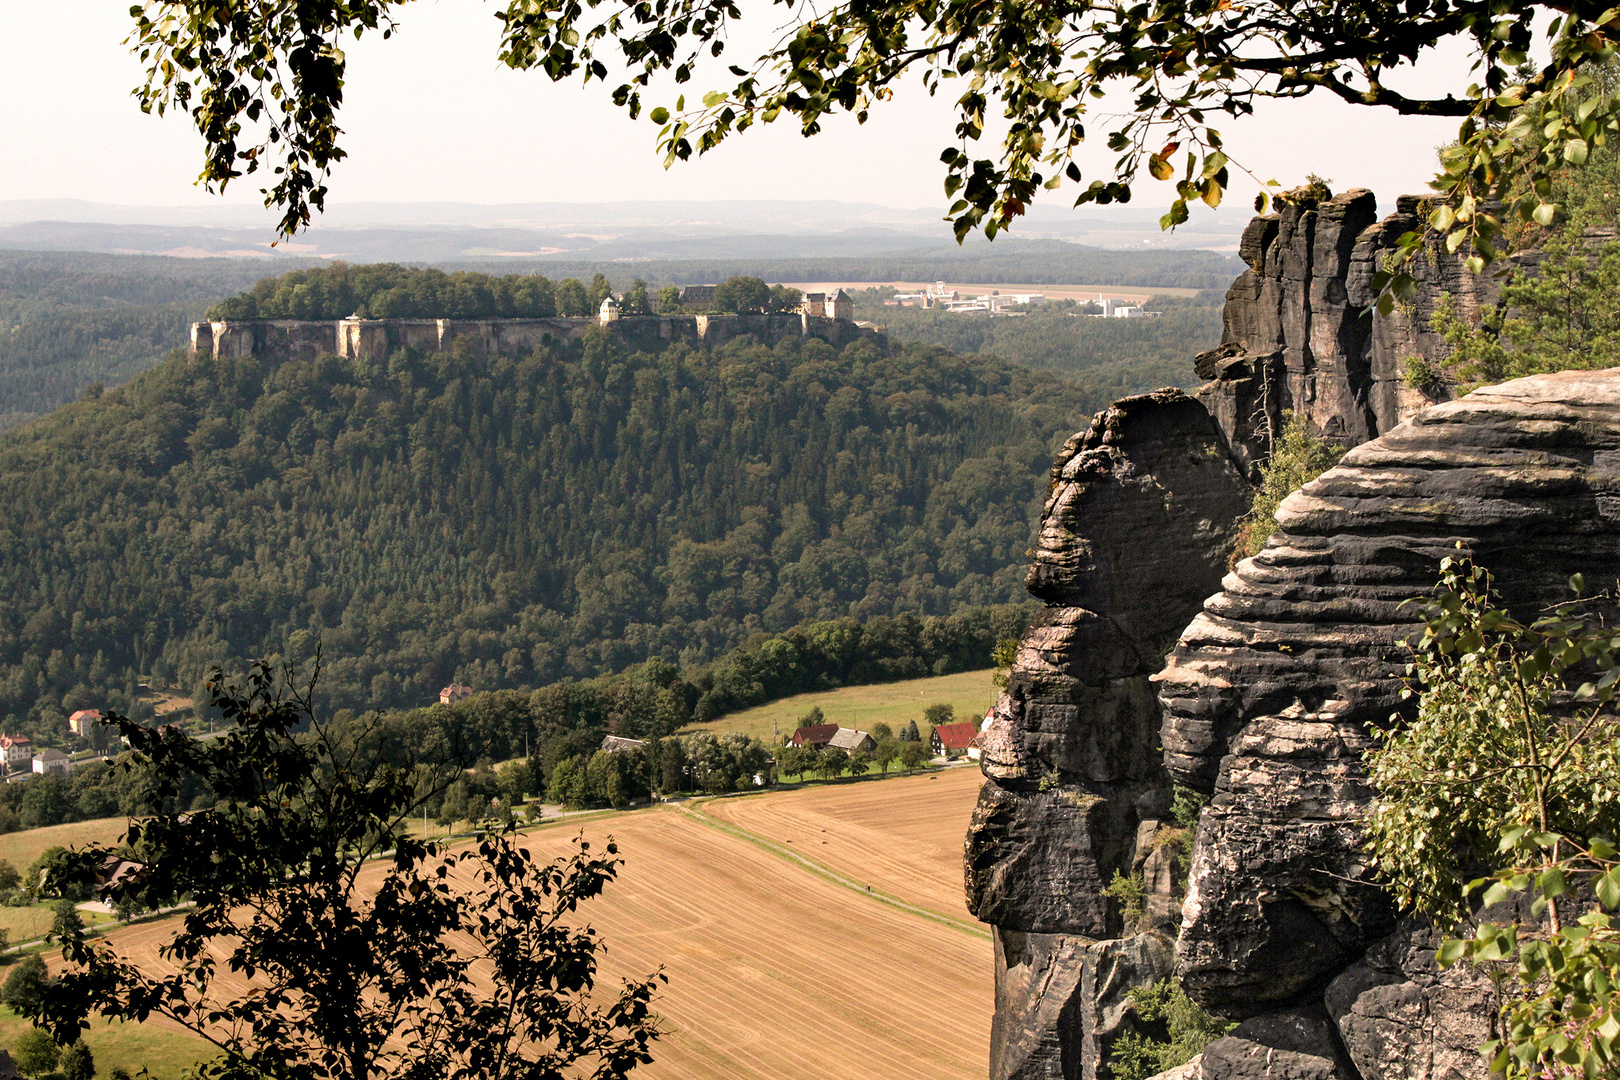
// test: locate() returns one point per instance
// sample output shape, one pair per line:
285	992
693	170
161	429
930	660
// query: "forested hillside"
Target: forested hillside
509	522
69	321
1106	359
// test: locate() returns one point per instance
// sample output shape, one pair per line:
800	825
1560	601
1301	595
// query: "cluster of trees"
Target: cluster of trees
1105	359
740	295
94	790
510	521
391	291
52	359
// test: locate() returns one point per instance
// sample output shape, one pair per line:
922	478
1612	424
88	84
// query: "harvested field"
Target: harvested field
775	971
901	835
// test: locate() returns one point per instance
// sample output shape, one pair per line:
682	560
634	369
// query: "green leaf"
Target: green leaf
659	115
1451	950
1543	214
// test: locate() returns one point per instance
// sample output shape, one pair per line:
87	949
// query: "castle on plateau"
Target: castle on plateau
828	317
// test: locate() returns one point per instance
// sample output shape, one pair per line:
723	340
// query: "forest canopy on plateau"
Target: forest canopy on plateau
506	522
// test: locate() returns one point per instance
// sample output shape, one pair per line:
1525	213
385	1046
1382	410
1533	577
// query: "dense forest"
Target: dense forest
1106	359
70	321
506	522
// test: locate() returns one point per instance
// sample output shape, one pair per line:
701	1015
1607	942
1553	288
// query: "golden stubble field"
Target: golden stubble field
902	835
776	971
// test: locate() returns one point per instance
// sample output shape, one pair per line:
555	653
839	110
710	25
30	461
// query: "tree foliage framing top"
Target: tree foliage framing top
263	82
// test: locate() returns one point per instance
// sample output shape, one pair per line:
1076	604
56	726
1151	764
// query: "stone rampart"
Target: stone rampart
300	339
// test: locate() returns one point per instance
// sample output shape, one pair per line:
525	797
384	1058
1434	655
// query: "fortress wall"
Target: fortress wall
375	339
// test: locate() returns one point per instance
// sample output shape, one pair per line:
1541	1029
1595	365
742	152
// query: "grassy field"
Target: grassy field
165	1054
970	693
22	848
777	971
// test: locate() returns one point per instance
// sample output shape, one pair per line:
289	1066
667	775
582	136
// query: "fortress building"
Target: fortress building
375	339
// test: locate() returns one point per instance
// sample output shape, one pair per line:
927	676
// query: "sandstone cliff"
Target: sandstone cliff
1134	534
1274	690
1301	331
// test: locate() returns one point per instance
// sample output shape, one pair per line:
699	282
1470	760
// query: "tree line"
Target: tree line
392	291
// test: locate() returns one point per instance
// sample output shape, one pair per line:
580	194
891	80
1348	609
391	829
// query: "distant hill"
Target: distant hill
69	320
1106	359
505	523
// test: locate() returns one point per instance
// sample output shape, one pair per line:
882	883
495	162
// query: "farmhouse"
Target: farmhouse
815	736
850	740
453	693
952	738
613	744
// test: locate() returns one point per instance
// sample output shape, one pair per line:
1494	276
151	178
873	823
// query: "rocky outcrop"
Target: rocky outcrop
1271	693
1302	332
1134	535
1403	1018
1062	999
1276	688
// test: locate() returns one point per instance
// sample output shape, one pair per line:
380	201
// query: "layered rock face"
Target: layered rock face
1301	331
1134	535
1271	692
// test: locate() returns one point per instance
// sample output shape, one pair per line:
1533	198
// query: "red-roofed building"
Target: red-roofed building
17	751
81	722
815	736
953	738
453	693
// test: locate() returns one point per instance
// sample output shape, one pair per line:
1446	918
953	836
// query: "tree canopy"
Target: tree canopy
263	84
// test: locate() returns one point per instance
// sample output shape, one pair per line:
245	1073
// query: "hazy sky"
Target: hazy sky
431	116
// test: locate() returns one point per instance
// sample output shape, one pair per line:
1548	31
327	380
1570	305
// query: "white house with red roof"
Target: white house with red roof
953	738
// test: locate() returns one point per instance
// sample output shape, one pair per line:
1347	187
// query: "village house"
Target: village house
613	744
953	738
453	693
815	736
17	751
52	760
850	741
82	722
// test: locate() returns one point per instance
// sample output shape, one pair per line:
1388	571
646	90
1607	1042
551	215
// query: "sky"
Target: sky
432	116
